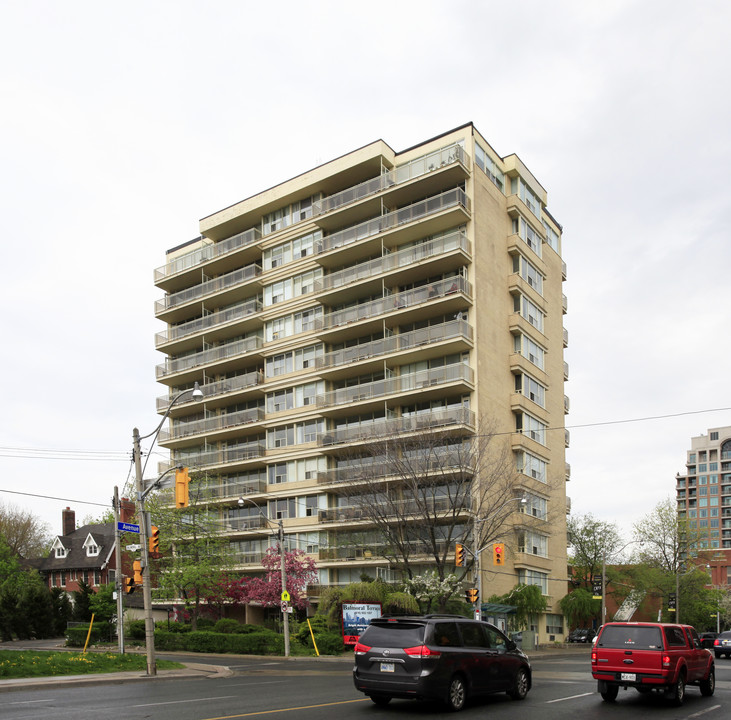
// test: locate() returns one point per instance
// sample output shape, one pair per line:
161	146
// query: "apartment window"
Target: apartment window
554	624
712	466
534	577
528	272
282	509
691	459
294	434
531	427
307	394
311	505
529	311
531	388
291	250
489	167
535	506
277	474
305	357
528	234
278	292
530	350
702	467
714	435
279	401
533	543
305	283
552	237
280	364
519	187
532	466
305	321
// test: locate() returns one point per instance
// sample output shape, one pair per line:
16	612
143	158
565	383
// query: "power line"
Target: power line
51	497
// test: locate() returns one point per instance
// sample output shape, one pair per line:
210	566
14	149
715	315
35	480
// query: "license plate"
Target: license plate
629	677
387	667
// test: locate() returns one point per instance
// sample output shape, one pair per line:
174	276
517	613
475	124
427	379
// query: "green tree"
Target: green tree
25	535
528	602
61	611
195	561
591	541
103	604
82	602
579	607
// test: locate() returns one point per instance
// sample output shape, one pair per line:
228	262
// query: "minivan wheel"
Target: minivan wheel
457	693
520	685
381	700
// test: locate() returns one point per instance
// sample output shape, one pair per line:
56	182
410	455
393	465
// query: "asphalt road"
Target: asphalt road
323	690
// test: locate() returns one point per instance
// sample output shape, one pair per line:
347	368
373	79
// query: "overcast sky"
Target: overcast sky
123	124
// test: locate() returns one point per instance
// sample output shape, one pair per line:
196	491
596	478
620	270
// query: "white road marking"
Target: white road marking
177	702
570	697
703	712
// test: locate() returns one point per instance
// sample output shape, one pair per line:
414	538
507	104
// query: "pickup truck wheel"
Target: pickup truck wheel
610	693
709	684
676	693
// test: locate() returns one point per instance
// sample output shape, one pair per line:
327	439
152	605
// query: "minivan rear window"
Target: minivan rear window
631	637
394	635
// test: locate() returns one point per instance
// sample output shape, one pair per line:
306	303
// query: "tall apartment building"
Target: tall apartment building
704	491
358	299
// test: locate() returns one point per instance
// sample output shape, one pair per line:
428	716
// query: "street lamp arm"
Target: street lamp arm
197	395
157	482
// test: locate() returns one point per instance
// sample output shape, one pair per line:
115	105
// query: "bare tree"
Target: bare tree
422	494
26	535
591	542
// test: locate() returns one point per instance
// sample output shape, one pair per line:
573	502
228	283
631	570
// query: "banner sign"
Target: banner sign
356	618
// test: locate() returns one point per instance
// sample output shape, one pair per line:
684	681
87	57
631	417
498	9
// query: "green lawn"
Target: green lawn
28	663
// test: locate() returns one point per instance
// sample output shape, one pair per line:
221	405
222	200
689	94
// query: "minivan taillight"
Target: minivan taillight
422	651
360	648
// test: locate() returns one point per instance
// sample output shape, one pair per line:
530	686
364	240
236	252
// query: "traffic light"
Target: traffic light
154	540
137	566
459	553
498	554
181	487
129	585
471	595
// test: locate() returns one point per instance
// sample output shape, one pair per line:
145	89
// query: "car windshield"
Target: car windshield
393	635
637	638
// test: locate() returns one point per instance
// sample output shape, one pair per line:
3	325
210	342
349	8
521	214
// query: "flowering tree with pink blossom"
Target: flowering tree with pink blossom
300	569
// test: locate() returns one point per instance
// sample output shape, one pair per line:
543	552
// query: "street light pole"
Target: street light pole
144	530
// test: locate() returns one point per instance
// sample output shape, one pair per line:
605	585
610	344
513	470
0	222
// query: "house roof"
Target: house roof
75	544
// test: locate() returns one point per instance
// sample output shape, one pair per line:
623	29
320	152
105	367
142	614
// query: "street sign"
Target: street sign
128	527
133	548
285	597
285	607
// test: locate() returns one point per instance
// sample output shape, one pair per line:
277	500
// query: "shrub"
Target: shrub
100	632
136	630
226	625
263	642
329	643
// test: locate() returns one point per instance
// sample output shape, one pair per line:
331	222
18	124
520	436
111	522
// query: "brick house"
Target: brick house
86	553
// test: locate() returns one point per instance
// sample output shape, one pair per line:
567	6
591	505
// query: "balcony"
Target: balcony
229	281
420	381
211	391
201	256
567	472
376	431
217	354
209	322
455	330
398	301
565	371
226	456
219	423
565	338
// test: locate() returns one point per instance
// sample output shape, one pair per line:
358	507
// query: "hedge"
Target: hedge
76	636
264	642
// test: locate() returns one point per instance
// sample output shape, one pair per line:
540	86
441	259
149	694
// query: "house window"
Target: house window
534	577
63	579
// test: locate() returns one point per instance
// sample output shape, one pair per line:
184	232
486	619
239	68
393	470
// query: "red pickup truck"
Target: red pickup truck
651	656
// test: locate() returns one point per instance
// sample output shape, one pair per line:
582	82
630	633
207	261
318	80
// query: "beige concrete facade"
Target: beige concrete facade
360	296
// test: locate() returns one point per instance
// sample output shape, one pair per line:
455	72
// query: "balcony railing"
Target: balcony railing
208	252
210	390
222	491
237	453
220	352
382	429
403	383
396	509
365	271
212	424
397	301
252	522
408	171
394	343
438	464
451	198
210	287
222	317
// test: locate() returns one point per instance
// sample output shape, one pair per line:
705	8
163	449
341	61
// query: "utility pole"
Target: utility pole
146	592
118	573
284	586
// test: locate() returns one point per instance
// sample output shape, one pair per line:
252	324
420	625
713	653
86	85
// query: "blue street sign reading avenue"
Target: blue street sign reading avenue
127	527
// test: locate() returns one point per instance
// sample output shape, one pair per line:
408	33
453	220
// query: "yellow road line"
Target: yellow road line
280	710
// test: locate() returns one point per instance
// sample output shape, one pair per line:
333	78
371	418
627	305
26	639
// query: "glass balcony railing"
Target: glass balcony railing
208	252
253	484
210	390
209	425
403	383
394	343
217	353
235	453
411	423
222	317
367	270
210	287
403	173
431	206
397	301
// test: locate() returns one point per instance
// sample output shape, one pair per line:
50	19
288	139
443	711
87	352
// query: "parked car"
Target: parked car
581	635
722	644
438	657
651	656
707	639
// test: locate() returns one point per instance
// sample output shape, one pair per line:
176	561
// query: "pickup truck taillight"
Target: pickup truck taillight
593	657
666	660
